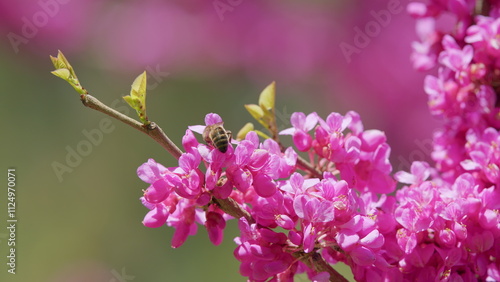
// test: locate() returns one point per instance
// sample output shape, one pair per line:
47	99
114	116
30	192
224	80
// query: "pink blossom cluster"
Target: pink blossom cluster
324	213
341	205
464	92
429	229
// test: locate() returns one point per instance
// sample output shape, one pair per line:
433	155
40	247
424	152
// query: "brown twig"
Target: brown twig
152	130
482	7
231	207
316	262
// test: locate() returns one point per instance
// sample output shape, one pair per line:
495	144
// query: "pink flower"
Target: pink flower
420	171
215	224
187	179
425	53
484	35
301	126
455	58
184	221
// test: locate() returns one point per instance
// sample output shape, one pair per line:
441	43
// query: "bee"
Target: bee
217	136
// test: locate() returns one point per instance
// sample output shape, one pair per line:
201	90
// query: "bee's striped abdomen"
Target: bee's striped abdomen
220	139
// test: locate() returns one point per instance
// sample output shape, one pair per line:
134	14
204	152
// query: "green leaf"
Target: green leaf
65	71
244	131
62	73
255	111
267	97
139	87
137	97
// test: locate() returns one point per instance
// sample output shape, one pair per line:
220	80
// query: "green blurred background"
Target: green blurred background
87	225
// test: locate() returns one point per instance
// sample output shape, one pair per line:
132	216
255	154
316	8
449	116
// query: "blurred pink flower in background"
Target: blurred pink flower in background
46	25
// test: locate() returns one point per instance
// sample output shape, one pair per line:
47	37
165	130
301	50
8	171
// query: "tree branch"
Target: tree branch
152	130
231	207
316	262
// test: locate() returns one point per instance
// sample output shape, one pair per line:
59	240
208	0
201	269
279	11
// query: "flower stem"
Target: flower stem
231	207
316	262
152	130
482	7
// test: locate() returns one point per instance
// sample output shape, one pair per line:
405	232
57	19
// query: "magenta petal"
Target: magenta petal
243	152
151	171
259	159
311	121
246	268
285	222
488	219
156	217
323	211
180	235
480	242
363	256
259	271
264	186
355	224
333	122
449	42
298	120
157	192
309	238
203	199
189	161
407	240
276	267
288	131
147	204
302	140
300	206
254	138
347	239
421	255
297	180
273	237
372	139
189	142
223	191
321	277
352	147
405	177
295	237
373	240
212	118
446	238
262	252
242	179
241	252
215	225
420	169
197	128
417	10
211	178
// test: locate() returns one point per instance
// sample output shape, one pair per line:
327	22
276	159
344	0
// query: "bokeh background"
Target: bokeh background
202	56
